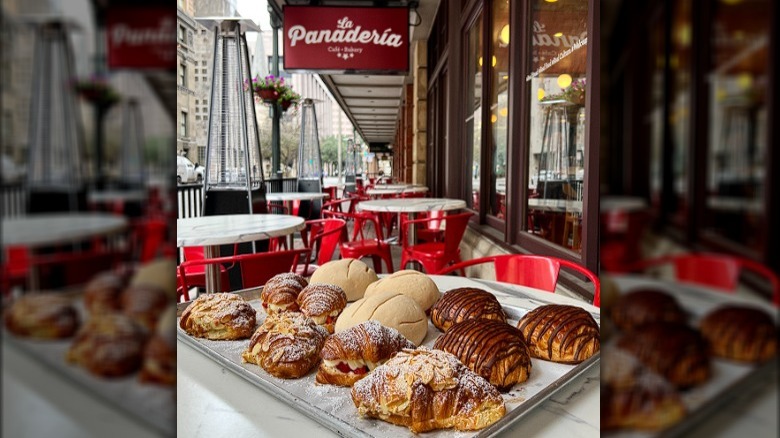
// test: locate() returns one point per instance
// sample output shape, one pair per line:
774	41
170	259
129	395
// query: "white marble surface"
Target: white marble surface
395	191
555	205
623	203
295	196
50	229
411	205
398	186
213	401
236	228
116	195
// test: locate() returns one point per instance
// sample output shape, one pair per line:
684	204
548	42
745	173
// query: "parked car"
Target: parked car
187	172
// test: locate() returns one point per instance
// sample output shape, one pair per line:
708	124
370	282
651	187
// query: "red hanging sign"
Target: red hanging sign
335	39
140	37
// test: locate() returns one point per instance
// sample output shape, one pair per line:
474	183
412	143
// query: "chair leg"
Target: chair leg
377	263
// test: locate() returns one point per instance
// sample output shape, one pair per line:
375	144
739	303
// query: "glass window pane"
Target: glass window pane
679	110
499	106
737	157
557	126
473	110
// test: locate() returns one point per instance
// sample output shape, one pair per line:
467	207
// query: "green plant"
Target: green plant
269	82
574	93
96	89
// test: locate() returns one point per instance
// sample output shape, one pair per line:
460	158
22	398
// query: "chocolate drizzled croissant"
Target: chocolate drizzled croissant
675	351
465	303
644	306
493	349
740	333
560	333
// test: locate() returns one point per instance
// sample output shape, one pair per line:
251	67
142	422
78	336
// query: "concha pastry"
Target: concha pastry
675	351
43	316
391	309
560	333
280	293
745	334
426	390
109	345
413	284
493	349
352	275
350	355
287	345
219	316
322	303
643	306
465	303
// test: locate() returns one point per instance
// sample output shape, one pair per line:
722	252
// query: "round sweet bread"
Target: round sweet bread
322	303
144	303
465	303
745	334
157	273
352	275
219	316
560	333
643	306
493	349
43	316
413	284
675	351
101	295
287	345
109	345
280	293
391	309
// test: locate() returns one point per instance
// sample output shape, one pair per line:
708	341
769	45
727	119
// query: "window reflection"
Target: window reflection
499	106
557	126
679	111
474	109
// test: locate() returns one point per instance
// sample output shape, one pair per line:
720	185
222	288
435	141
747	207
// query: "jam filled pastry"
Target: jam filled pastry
560	333
219	316
349	355
280	293
43	316
322	303
465	303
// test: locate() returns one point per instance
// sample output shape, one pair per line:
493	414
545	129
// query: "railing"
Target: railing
14	199
190	196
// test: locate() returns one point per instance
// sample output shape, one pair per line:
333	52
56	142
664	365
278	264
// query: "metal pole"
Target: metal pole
276	149
340	180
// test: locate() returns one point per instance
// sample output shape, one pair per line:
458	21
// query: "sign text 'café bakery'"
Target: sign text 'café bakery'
346	39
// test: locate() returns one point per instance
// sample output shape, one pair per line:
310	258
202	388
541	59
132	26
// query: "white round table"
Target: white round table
289	197
411	206
212	231
622	203
396	186
116	195
378	191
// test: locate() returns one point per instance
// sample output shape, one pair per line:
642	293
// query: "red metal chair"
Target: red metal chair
196	274
256	269
16	267
540	272
433	232
375	247
320	236
719	271
435	256
151	233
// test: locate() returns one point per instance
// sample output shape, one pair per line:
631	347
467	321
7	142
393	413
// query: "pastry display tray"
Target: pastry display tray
147	403
730	380
332	406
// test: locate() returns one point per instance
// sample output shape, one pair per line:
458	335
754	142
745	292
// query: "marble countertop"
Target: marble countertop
235	228
411	205
295	196
48	229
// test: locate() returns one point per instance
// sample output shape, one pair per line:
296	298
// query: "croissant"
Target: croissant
744	334
646	407
43	316
675	351
280	293
102	293
560	333
465	303
109	345
349	355
219	316
322	303
644	306
287	345
428	389
493	349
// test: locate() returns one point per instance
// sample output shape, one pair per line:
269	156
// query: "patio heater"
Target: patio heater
349	167
309	161
558	156
233	181
132	171
55	177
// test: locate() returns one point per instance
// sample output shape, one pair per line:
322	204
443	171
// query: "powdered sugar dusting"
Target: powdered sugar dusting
359	339
319	299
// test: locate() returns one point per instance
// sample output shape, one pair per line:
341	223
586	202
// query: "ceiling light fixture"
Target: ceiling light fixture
503	36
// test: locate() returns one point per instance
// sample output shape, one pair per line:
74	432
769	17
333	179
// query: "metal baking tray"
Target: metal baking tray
729	379
149	404
332	406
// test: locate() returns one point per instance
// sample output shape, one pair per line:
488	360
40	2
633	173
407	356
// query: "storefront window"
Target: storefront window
473	109
680	106
557	126
737	156
499	106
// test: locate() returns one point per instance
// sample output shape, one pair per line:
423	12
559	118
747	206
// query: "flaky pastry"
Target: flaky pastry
322	303
219	316
560	333
280	293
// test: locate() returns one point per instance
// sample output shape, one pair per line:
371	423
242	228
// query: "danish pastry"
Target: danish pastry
280	293
287	345
642	306
465	303
159	362
740	333
219	316
43	316
349	355
109	345
560	333
493	349
428	389
322	303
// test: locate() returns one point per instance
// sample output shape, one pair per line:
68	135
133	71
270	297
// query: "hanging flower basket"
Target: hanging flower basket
268	88
289	98
574	93
96	91
268	95
285	104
